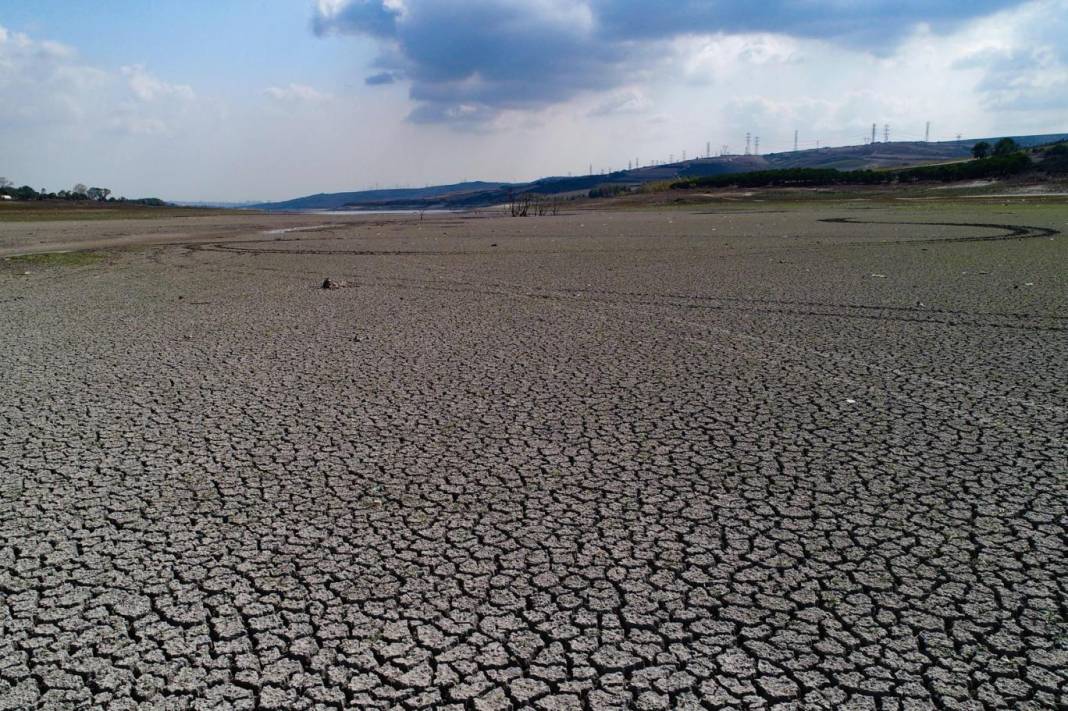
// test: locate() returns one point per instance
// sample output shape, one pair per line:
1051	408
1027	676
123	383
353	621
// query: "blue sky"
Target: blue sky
255	100
234	45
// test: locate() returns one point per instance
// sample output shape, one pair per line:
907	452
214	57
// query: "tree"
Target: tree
1005	147
79	189
98	193
5	183
981	150
518	203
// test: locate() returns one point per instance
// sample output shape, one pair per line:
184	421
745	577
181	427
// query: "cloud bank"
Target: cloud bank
468	61
45	83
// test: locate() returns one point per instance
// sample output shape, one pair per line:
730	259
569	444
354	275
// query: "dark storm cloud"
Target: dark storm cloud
470	59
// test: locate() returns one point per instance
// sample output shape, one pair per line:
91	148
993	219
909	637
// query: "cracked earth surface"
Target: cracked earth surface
649	460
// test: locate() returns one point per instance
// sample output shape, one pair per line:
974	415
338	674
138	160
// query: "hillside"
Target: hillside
372	198
481	194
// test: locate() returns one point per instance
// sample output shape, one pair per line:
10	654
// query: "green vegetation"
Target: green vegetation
994	167
57	259
1056	159
1005	147
981	150
79	193
606	191
51	211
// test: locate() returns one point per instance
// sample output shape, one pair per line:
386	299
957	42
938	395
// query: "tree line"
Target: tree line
998	165
79	193
1004	147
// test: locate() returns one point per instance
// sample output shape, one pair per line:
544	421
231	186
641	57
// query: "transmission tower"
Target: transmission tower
748	141
795	140
708	149
927	133
756	145
886	133
873	133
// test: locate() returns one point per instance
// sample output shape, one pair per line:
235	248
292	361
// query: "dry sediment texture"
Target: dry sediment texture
649	460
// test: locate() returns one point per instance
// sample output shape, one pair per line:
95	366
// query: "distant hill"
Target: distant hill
473	194
209	203
895	154
374	198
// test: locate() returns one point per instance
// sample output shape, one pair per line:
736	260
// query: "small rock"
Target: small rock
329	283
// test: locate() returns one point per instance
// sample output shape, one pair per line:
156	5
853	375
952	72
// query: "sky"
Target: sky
272	99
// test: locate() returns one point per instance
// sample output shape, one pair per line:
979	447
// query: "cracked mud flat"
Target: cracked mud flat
606	460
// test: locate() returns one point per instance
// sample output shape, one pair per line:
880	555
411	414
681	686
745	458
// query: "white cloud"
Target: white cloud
137	125
45	83
705	59
630	101
42	83
147	87
297	93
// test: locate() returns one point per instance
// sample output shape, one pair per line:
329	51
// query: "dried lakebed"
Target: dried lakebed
803	457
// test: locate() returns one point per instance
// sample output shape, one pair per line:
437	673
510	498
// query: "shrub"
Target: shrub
605	191
1006	146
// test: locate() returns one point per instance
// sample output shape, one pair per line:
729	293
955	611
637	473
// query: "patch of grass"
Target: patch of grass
56	259
52	211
